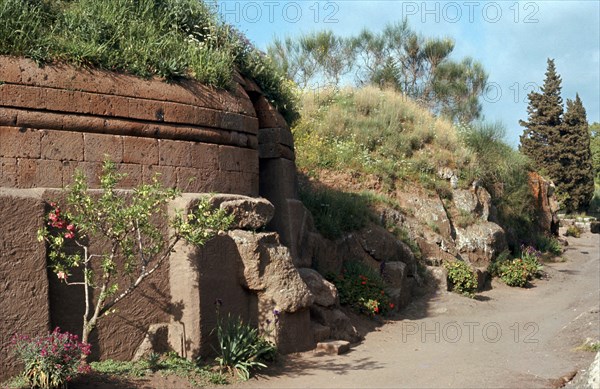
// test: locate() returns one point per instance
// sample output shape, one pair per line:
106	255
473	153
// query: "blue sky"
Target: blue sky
511	38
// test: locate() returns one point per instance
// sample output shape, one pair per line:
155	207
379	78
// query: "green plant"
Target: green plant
241	348
514	273
51	361
121	368
362	289
135	244
403	235
167	364
573	231
462	278
518	271
172	39
548	244
336	212
465	219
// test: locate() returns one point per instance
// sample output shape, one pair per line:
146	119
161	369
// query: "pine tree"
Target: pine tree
576	175
542	130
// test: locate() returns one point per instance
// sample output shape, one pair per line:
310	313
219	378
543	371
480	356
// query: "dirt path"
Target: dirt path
509	337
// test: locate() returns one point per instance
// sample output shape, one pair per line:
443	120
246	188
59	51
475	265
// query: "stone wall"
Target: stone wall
56	119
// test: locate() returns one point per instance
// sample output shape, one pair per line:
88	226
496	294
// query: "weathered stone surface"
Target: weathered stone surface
197	281
481	243
429	211
476	201
294	334
268	117
394	274
320	332
545	202
325	292
249	213
335	347
383	246
340	325
156	340
435	252
438	278
268	267
24	289
483	277
278	184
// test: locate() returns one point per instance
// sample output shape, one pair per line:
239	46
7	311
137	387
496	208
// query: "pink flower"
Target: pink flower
71	227
70	235
61	275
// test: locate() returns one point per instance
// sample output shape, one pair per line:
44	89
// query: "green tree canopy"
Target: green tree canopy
559	145
396	58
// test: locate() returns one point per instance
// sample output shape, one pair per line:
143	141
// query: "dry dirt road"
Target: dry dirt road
507	338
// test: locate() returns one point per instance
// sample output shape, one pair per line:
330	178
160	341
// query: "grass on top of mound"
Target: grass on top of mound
375	132
166	38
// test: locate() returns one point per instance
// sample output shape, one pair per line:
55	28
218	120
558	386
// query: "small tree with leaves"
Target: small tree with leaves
128	226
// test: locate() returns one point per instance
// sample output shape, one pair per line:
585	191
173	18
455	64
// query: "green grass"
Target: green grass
335	212
166	364
166	38
374	132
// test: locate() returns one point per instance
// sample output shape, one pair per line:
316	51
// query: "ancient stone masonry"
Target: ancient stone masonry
56	119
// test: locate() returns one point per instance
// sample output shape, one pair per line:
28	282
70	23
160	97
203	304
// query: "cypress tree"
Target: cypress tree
542	130
576	175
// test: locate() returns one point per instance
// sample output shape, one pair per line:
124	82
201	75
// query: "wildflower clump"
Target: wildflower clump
51	361
362	289
519	271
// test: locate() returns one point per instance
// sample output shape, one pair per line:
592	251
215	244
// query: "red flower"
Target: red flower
392	305
376	309
364	283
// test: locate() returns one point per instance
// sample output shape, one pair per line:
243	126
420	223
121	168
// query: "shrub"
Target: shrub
51	361
362	289
241	348
548	244
573	231
519	271
514	273
462	278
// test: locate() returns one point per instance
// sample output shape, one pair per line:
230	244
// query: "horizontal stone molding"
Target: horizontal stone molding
23	71
94	124
110	106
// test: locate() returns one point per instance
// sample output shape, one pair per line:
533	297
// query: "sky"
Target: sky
512	39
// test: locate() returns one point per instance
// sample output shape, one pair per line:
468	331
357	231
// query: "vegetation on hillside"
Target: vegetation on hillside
166	38
381	141
558	142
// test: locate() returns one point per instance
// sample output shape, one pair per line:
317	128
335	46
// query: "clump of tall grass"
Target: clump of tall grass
166	38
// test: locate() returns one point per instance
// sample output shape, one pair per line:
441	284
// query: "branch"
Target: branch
143	274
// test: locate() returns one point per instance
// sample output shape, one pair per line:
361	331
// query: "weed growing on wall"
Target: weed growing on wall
133	244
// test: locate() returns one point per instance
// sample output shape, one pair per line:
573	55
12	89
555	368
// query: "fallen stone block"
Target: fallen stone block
334	347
